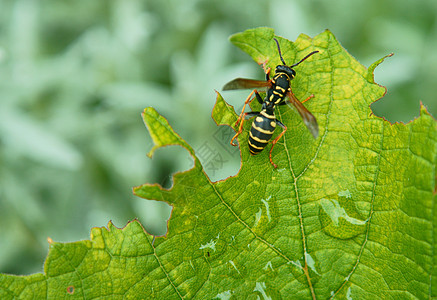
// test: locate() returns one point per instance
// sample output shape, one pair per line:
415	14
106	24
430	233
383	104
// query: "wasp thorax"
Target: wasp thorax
282	82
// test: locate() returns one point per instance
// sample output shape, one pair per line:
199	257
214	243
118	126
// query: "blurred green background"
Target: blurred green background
76	75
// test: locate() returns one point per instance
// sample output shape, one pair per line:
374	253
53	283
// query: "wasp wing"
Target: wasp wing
243	83
308	119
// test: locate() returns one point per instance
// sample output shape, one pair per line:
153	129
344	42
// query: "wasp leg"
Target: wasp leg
276	140
240	128
285	102
243	115
258	97
266	71
248	100
267	74
311	96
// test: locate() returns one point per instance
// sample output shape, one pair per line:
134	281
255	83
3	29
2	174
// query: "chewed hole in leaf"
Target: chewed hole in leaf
171	160
154	215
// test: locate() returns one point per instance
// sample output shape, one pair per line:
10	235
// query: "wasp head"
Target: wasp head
285	69
288	69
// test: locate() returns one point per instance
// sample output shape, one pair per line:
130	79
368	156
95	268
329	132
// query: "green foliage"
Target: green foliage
350	214
75	75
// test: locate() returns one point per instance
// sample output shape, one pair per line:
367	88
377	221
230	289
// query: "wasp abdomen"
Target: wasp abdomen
261	132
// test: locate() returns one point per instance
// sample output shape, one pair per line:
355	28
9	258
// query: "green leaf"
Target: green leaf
348	215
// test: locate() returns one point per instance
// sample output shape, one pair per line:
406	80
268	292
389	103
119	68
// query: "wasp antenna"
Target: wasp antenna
314	52
279	50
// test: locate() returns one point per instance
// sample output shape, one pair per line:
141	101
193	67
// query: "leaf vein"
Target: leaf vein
366	238
246	225
165	272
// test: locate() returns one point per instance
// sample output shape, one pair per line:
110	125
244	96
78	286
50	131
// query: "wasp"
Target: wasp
278	93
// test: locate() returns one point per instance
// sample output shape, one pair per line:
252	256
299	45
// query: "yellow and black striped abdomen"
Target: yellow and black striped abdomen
261	132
